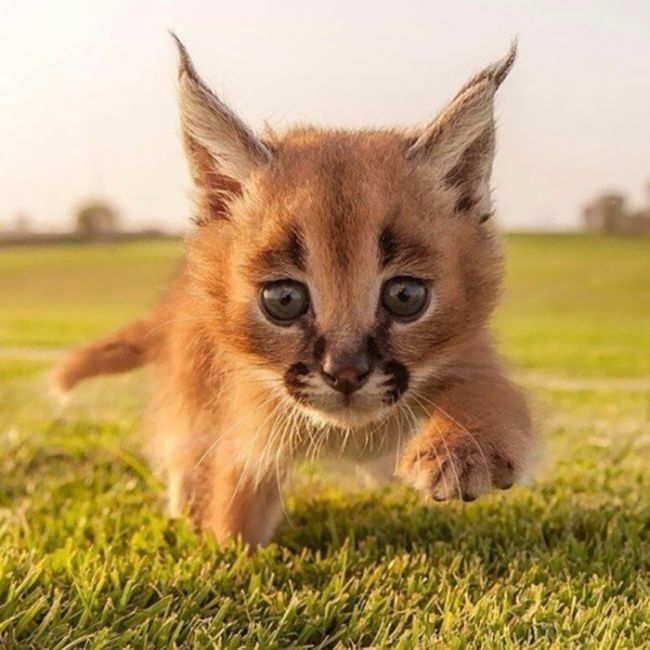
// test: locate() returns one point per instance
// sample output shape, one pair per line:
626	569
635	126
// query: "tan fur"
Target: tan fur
241	398
126	349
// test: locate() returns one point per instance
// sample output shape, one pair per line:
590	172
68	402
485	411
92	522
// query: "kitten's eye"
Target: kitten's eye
284	301
404	297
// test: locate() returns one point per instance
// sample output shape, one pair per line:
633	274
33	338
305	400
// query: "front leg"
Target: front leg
477	437
229	482
241	506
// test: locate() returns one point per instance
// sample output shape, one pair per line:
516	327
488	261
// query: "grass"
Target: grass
88	559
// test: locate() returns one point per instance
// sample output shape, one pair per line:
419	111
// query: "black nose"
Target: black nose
346	372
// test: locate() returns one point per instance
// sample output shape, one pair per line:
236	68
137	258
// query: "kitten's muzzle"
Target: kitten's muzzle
347	371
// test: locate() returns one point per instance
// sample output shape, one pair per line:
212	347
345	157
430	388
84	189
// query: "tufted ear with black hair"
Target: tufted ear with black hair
222	151
458	145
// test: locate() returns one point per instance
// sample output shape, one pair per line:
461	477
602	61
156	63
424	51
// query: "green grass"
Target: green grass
62	295
88	559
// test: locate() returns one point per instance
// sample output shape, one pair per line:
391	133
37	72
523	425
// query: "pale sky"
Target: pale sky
87	101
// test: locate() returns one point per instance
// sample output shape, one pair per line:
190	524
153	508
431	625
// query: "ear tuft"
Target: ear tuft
222	151
495	72
185	65
503	67
458	145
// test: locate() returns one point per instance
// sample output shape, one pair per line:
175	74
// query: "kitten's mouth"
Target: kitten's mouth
373	402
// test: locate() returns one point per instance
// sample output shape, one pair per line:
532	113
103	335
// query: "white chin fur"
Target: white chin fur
346	417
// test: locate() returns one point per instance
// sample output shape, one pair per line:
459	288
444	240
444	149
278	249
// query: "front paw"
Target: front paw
460	466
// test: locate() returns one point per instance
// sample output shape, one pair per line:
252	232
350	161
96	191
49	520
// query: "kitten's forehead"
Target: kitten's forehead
337	188
336	204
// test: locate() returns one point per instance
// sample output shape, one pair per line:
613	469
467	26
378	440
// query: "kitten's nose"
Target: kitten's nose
347	371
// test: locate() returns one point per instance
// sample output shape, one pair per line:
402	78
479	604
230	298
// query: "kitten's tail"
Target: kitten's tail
130	347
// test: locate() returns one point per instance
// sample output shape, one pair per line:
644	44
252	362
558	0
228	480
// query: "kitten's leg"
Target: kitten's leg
241	505
478	436
175	499
184	479
173	456
228	498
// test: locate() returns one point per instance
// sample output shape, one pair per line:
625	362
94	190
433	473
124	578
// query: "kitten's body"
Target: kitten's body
341	214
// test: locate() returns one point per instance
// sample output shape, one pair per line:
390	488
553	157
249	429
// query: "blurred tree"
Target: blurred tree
22	223
96	219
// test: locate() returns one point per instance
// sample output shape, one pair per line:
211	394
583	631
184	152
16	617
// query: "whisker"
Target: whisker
230	429
242	473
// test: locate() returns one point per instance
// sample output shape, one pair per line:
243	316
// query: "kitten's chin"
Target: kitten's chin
346	417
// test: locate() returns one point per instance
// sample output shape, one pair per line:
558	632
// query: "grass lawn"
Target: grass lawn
88	559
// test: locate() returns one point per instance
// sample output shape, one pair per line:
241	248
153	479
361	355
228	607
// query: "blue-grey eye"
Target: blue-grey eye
284	301
405	297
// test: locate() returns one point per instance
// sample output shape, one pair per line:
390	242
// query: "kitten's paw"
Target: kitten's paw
456	467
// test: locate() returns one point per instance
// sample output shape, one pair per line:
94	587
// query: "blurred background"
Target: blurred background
93	203
88	126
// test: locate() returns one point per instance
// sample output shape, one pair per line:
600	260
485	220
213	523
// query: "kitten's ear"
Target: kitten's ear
222	151
458	145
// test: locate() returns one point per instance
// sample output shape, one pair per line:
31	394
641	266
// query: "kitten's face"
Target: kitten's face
345	267
344	276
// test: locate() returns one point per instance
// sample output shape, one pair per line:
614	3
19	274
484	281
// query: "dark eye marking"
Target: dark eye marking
289	254
296	250
387	246
398	381
319	348
374	351
401	250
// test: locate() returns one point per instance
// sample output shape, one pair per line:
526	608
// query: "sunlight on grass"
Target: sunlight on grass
88	557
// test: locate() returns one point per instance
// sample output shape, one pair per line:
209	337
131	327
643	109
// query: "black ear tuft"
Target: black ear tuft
222	151
458	145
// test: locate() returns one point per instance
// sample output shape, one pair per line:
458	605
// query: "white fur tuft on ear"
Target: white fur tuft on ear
458	145
208	124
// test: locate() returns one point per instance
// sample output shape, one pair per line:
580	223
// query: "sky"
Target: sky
87	93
